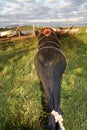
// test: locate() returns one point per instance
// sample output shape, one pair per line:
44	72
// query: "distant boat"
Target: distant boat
5	33
26	32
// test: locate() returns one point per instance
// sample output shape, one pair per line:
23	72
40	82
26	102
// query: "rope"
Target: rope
49	42
46	32
58	118
50	47
46	29
45	37
50	31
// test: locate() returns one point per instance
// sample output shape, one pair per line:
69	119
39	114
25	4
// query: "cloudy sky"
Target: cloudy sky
25	12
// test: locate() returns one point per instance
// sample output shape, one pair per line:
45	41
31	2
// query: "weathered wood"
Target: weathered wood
3	40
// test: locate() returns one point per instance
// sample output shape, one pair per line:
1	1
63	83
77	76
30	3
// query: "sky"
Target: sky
43	12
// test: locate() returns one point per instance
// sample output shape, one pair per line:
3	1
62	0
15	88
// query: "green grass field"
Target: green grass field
21	106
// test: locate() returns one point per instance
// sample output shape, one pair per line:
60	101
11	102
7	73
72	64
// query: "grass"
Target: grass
21	95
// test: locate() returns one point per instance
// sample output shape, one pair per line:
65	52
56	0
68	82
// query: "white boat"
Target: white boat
5	33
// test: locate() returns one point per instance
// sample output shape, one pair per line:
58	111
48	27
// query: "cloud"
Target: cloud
26	11
22	0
